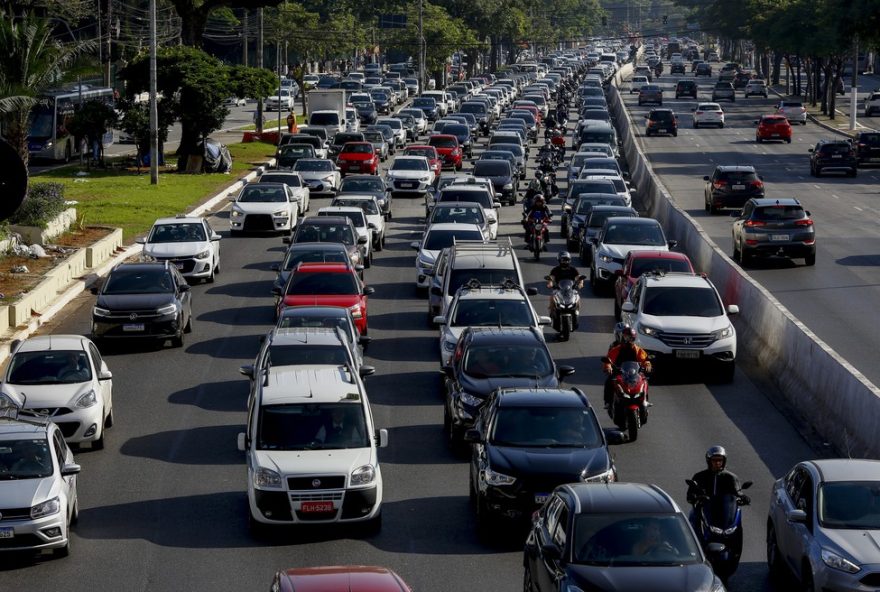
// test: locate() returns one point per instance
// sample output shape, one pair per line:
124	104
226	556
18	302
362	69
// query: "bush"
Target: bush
43	203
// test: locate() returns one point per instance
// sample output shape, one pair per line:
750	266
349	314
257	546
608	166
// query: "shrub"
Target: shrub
43	203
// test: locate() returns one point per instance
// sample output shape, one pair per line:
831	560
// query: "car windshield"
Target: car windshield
357	149
597	137
262	193
492	168
368	206
850	504
624	539
322	283
441	142
186	232
870	139
351	185
458	215
491	312
343	138
410	164
592	186
289	180
311	427
634	234
139	281
308	354
296	151
585	204
778	213
324	233
507	361
296	256
49	367
428	153
457	129
665	264
440	239
597	219
545	427
25	459
516	149
357	218
313	165
681	302
324	119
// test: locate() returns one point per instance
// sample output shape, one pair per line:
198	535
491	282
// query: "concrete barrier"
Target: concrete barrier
828	393
55	227
102	250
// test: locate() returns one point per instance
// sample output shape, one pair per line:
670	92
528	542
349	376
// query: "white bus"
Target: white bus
48	137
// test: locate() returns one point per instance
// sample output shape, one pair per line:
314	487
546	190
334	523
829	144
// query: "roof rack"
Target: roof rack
11	411
472	246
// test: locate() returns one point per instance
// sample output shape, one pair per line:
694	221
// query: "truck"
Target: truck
326	108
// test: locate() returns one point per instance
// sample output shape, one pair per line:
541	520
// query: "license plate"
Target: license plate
354	167
316	507
407	185
779	237
774	135
7	533
687	354
661	131
737	187
133	327
837	156
540	498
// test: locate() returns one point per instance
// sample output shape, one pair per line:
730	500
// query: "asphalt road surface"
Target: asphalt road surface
163	507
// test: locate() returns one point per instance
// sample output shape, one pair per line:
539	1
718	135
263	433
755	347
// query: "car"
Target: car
312	252
283	98
331	229
772	127
187	242
382	99
525	443
594	219
639	262
723	90
38	489
501	173
410	175
294	182
340	139
768	227
63	378
369	184
409	125
703	69
429	152
264	207
616	239
358	157
287	154
380	144
730	187
429	107
310	346
677	68
355	578
352	120
794	111
645	71
592	536
365	230
833	155
472	190
518	152
708	114
448	149
820	524
371	209
661	121
685	88
396	126
437	237
388	134
755	87
742	79
867	147
235	102
462	133
421	121
332	317
872	103
317	144
145	300
331	284
485	305
457	212
321	176
650	93
486	359
366	111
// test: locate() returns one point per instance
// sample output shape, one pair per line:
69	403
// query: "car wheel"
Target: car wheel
818	171
108	421
210	278
189	325
744	256
807	578
758	140
810	259
74	516
99	443
675	134
728	372
177	341
373	526
258	529
65	550
736	254
788	140
616	310
712	209
377	245
527	579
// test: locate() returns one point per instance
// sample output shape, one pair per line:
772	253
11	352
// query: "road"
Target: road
837	298
163	507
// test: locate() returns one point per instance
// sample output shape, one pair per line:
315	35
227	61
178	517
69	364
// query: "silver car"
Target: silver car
824	524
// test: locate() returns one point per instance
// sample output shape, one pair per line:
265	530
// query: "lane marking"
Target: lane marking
816	186
858	208
835	196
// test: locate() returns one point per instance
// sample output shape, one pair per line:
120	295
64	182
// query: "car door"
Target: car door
802	533
479	458
292	206
547	570
64	457
184	295
215	242
785	503
105	386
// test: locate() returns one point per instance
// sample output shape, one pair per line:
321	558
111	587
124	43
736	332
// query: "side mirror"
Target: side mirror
706	178
185	287
216	237
796	516
809	150
70	469
544	320
551	551
496	205
240	441
436	291
105	375
362	240
532	291
382	438
372	226
672	243
276	291
746	485
733	309
447	370
364	340
365	371
715	548
493	220
140	241
369	290
473	436
563	371
440	320
285	240
94	290
275	267
628	307
414	245
247	371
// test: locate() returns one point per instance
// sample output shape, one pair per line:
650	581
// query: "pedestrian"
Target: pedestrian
291	122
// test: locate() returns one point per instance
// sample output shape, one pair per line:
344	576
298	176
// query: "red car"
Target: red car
448	149
429	152
358	157
639	262
328	284
773	127
355	578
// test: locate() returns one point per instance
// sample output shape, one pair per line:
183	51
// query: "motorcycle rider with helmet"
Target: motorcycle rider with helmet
538	207
715	480
564	270
625	351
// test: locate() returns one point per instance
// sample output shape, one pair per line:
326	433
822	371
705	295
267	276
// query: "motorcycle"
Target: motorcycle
629	402
718	523
566	306
537	233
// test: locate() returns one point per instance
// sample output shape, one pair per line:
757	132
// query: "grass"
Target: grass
124	198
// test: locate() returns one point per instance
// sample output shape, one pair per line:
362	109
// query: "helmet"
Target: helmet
539	200
716	451
627	335
538	174
564	258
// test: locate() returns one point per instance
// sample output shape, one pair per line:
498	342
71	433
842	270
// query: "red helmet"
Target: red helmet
628	335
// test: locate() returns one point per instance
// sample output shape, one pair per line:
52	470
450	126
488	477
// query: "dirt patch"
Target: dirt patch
83	237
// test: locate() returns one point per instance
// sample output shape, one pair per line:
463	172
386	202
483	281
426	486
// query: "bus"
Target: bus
48	137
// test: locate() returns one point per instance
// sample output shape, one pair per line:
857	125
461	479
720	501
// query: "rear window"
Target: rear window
480	197
332	284
836	148
443	142
870	139
774	120
641	265
662	116
738	176
779	213
492	168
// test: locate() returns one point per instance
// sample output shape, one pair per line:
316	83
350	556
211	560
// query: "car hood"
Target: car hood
620	251
321	300
299	462
38	396
118	302
861	545
481	387
414	175
316	175
261	207
566	464
175	249
500	180
675	324
678	578
25	493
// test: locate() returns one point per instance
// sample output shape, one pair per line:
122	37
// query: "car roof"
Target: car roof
303	335
621	498
847	469
658	254
678	279
308	310
296	384
10	428
144	265
775	201
51	342
542	398
737	168
452	226
179	220
634	221
326	220
352	578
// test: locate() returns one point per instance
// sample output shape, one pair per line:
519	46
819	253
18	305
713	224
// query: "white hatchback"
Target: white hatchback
637	83
708	114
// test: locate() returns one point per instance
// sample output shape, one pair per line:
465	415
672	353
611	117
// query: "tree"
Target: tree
194	14
33	62
93	119
135	121
251	83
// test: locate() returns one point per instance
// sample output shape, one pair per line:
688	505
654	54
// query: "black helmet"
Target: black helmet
716	451
627	335
563	257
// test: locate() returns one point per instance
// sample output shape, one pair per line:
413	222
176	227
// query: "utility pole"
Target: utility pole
154	113
854	100
101	41
260	65
422	78
107	79
278	65
244	38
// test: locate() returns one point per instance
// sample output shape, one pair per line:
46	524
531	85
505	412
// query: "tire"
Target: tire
744	257
99	443
210	278
736	254
368	261
788	140
373	526
774	561
712	209
74	516
189	325
177	341
757	140
617	310
539	246
721	126
109	420
696	125
64	551
565	328
807	579
633	422
810	260
527	579
258	529
377	246
728	372
818	171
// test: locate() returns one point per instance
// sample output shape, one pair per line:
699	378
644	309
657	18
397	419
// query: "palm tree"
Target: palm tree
33	61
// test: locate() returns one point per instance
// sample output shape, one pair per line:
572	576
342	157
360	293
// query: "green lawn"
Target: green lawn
125	198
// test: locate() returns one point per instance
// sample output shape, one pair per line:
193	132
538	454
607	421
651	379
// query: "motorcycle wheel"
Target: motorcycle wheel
632	425
565	328
539	246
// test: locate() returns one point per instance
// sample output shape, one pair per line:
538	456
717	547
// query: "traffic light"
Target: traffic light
665	20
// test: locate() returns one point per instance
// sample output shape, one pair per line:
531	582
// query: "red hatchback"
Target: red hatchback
773	127
429	152
328	284
358	157
355	578
639	262
448	149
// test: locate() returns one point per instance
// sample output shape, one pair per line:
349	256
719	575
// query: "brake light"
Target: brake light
757	184
805	222
719	184
698	112
753	223
862	145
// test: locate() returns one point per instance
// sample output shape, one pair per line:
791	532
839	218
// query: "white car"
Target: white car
397	126
235	102
38	500
794	111
188	242
372	210
419	116
364	228
282	99
294	182
621	187
617	238
410	174
756	87
637	83
872	104
63	378
708	114
264	207
352	121
321	175
437	238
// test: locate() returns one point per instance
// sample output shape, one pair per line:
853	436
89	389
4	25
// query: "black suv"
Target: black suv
686	88
677	68
526	443
731	186
770	227
661	121
500	173
833	155
143	300
332	229
867	146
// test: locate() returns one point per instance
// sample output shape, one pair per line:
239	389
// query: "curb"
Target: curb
80	285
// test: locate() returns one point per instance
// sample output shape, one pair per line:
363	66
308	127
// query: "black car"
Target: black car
661	121
731	186
677	68
382	101
704	69
311	253
143	301
501	174
504	155
528	442
368	185
462	132
486	359
614	536
589	193
366	112
287	154
768	227
595	220
686	88
833	155
867	147
428	105
331	229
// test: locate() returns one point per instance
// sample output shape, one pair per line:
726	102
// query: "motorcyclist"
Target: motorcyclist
625	351
539	209
564	270
715	480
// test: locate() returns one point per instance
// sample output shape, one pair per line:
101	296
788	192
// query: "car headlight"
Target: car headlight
356	311
835	561
647	330
237	213
425	262
449	346
203	254
508	186
7	402
328	178
100	312
48	144
604	477
281	214
425	180
723	333
167	309
88	399
363	475
47	508
267	478
605	258
494	478
470	400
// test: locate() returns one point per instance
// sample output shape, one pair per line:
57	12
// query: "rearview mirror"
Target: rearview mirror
247	371
383	438
627	307
532	291
473	436
275	267
240	441
436	291
732	309
369	290
439	320
365	371
564	371
70	469
414	245
796	516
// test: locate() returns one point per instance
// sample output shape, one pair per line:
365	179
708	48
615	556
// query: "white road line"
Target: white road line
835	196
816	186
858	208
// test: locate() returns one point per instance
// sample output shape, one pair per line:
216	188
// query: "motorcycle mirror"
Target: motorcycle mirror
547	277
746	485
715	548
606	360
690	482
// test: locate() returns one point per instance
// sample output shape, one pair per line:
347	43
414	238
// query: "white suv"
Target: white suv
681	316
187	242
872	104
312	449
617	238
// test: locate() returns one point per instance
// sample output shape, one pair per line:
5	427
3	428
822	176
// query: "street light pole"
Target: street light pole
854	99
422	78
154	113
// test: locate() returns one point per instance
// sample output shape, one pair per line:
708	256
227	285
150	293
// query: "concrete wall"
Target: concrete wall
34	235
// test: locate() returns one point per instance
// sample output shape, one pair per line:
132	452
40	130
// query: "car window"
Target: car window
459	215
440	239
642	264
352	185
492	312
681	302
778	213
28	458
545	427
60	447
49	367
312	426
367	205
296	256
625	539
324	233
313	165
410	164
509	361
139	281
183	232
850	504
328	284
357	149
308	353
481	197
263	193
870	139
633	234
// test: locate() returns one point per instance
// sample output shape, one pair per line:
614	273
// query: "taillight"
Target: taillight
805	222
757	184
719	184
852	152
698	112
862	145
753	223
